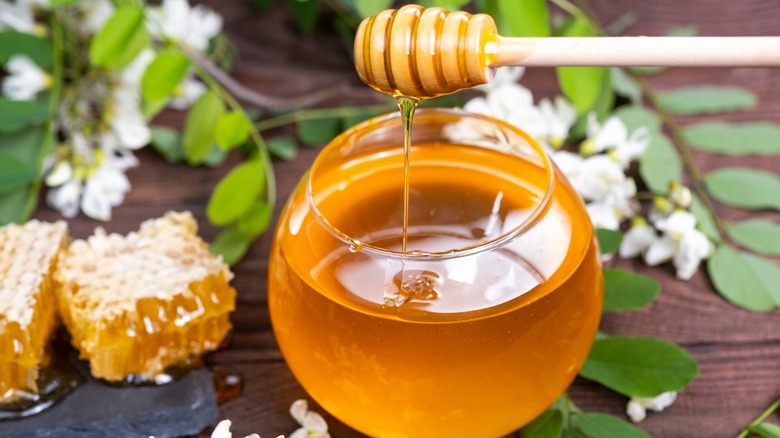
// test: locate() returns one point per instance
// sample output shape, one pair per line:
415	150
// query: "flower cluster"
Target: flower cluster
102	119
679	240
312	424
598	172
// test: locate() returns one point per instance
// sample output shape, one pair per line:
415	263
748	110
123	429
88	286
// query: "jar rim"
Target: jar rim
482	246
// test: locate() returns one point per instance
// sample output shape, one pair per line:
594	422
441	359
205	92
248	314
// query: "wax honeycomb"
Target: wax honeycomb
137	304
28	316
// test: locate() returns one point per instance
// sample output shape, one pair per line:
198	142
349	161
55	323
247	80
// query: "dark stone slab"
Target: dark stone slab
94	409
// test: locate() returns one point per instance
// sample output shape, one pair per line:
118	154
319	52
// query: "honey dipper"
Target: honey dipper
421	52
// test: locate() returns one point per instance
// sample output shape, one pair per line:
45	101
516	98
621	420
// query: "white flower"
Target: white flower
637	239
637	406
25	79
601	179
613	137
127	121
312	423
190	26
96	14
104	189
681	242
187	93
65	198
603	215
223	431
680	194
59	174
18	16
558	116
122	158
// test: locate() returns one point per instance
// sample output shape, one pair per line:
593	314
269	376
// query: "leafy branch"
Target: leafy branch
760	428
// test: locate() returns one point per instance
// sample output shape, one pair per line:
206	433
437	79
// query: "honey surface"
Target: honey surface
502	336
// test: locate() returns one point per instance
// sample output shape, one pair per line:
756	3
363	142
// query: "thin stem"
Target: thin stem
265	158
255	98
569	7
697	177
54	101
749	428
322	113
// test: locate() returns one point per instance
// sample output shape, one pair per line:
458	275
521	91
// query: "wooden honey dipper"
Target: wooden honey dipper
421	52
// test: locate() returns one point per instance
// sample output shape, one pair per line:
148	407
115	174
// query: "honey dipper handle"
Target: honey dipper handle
639	51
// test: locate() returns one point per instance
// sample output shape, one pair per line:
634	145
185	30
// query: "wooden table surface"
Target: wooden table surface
738	352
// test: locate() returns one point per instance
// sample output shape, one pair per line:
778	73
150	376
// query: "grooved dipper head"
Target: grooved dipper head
425	53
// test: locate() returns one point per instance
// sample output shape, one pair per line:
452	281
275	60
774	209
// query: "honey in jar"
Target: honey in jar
480	324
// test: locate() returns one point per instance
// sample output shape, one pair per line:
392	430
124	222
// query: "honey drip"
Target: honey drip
55	381
407	106
228	383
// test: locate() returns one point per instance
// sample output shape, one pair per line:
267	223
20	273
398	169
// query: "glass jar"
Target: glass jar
486	318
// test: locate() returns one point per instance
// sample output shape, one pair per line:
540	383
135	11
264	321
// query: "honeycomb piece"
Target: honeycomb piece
28	314
137	304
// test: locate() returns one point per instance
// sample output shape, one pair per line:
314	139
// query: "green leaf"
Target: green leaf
315	132
34	47
706	99
746	280
735	139
232	129
262	4
520	18
58	3
609	240
547	425
704	220
152	108
215	157
283	147
16	115
639	367
683	31
164	74
29	147
637	116
450	5
121	39
256	219
759	235
367	8
595	425
625	290
201	123
744	187
236	193
605	102
582	85
660	164
305	13
767	430
626	86
167	142
231	244
14	173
